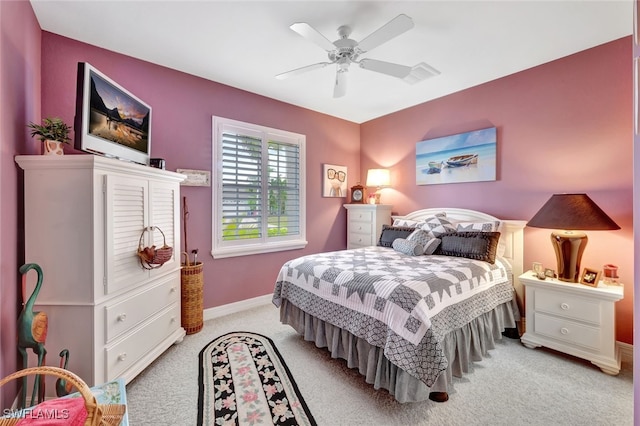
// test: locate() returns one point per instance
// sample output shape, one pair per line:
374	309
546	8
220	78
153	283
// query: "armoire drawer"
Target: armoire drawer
125	353
126	314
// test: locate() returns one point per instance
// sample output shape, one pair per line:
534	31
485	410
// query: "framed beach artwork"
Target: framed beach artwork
334	181
463	157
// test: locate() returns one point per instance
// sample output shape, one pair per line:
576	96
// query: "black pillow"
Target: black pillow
472	245
390	233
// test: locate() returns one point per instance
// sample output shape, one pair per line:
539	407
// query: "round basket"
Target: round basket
97	414
192	296
152	257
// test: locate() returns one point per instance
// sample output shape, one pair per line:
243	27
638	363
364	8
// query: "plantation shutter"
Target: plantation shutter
284	189
241	186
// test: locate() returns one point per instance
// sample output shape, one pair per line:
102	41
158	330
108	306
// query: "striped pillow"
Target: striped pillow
405	246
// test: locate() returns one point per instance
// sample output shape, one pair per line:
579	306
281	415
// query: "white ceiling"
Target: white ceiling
244	44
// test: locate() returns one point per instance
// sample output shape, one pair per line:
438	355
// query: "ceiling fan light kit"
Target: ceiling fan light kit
345	51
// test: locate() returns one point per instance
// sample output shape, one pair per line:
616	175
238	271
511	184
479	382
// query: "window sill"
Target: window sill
248	250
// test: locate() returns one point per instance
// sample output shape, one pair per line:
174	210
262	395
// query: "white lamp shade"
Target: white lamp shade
378	177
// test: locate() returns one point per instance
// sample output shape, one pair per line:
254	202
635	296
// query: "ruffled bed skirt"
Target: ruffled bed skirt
462	347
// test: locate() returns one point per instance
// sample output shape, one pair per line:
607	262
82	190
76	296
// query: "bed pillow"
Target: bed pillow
422	237
490	226
407	223
413	223
438	225
390	233
472	245
411	248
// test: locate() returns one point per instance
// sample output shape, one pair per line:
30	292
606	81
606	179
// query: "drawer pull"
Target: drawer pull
564	330
122	317
173	289
122	356
173	319
564	305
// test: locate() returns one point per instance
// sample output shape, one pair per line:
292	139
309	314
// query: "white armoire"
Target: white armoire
85	217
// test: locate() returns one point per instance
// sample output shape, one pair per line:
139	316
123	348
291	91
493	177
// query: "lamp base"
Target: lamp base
569	246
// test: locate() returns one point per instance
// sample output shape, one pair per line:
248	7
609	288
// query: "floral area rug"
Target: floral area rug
243	380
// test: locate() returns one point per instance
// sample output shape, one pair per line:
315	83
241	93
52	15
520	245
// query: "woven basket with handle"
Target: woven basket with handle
97	414
152	257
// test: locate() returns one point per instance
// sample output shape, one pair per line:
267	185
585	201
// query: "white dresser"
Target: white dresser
364	223
84	217
573	318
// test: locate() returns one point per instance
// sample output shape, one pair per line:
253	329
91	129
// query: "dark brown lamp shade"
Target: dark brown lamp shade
569	213
572	212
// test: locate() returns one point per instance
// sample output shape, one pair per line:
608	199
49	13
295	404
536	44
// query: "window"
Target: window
258	189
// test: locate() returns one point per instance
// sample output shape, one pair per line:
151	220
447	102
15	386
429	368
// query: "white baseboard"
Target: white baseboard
626	352
232	308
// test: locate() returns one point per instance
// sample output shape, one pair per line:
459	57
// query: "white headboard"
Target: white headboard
512	234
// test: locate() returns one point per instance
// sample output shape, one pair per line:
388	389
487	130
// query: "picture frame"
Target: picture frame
462	157
590	277
334	181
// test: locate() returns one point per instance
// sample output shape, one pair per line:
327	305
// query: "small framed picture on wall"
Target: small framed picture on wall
334	180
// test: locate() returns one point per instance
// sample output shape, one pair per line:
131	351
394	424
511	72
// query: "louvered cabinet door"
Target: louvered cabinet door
164	213
127	204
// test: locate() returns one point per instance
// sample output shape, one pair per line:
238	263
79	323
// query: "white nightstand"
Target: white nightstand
573	318
364	223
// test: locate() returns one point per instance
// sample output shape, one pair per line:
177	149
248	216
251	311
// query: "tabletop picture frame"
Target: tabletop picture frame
590	277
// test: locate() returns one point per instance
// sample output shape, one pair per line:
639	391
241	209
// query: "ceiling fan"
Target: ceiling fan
345	51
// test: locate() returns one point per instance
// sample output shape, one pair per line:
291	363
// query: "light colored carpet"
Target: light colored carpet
514	386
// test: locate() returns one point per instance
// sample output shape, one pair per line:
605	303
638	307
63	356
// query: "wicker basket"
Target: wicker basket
152	257
97	414
192	284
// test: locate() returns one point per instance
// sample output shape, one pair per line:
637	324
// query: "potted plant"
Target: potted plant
53	132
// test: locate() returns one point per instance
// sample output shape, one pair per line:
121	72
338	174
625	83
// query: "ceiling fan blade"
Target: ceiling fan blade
420	72
310	33
395	70
391	29
302	70
340	88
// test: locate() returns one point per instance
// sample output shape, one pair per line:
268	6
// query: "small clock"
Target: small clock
357	194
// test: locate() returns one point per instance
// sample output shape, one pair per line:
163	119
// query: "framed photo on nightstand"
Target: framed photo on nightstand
590	277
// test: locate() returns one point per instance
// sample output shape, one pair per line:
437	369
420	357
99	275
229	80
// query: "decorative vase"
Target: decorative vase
52	148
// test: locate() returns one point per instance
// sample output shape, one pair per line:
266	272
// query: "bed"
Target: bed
407	321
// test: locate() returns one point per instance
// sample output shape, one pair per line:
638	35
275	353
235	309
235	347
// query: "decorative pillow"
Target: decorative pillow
412	248
390	233
438	225
422	237
472	245
413	223
491	226
407	223
432	245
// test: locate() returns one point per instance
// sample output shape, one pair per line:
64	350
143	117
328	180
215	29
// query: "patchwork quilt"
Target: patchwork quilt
404	304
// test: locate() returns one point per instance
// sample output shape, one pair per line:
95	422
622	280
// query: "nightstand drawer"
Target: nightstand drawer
361	228
567	306
567	331
361	216
357	239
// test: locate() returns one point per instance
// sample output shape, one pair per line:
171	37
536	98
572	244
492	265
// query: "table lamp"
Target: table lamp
378	178
569	213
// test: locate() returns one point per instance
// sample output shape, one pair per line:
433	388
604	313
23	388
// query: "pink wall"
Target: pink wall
565	126
182	107
19	104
